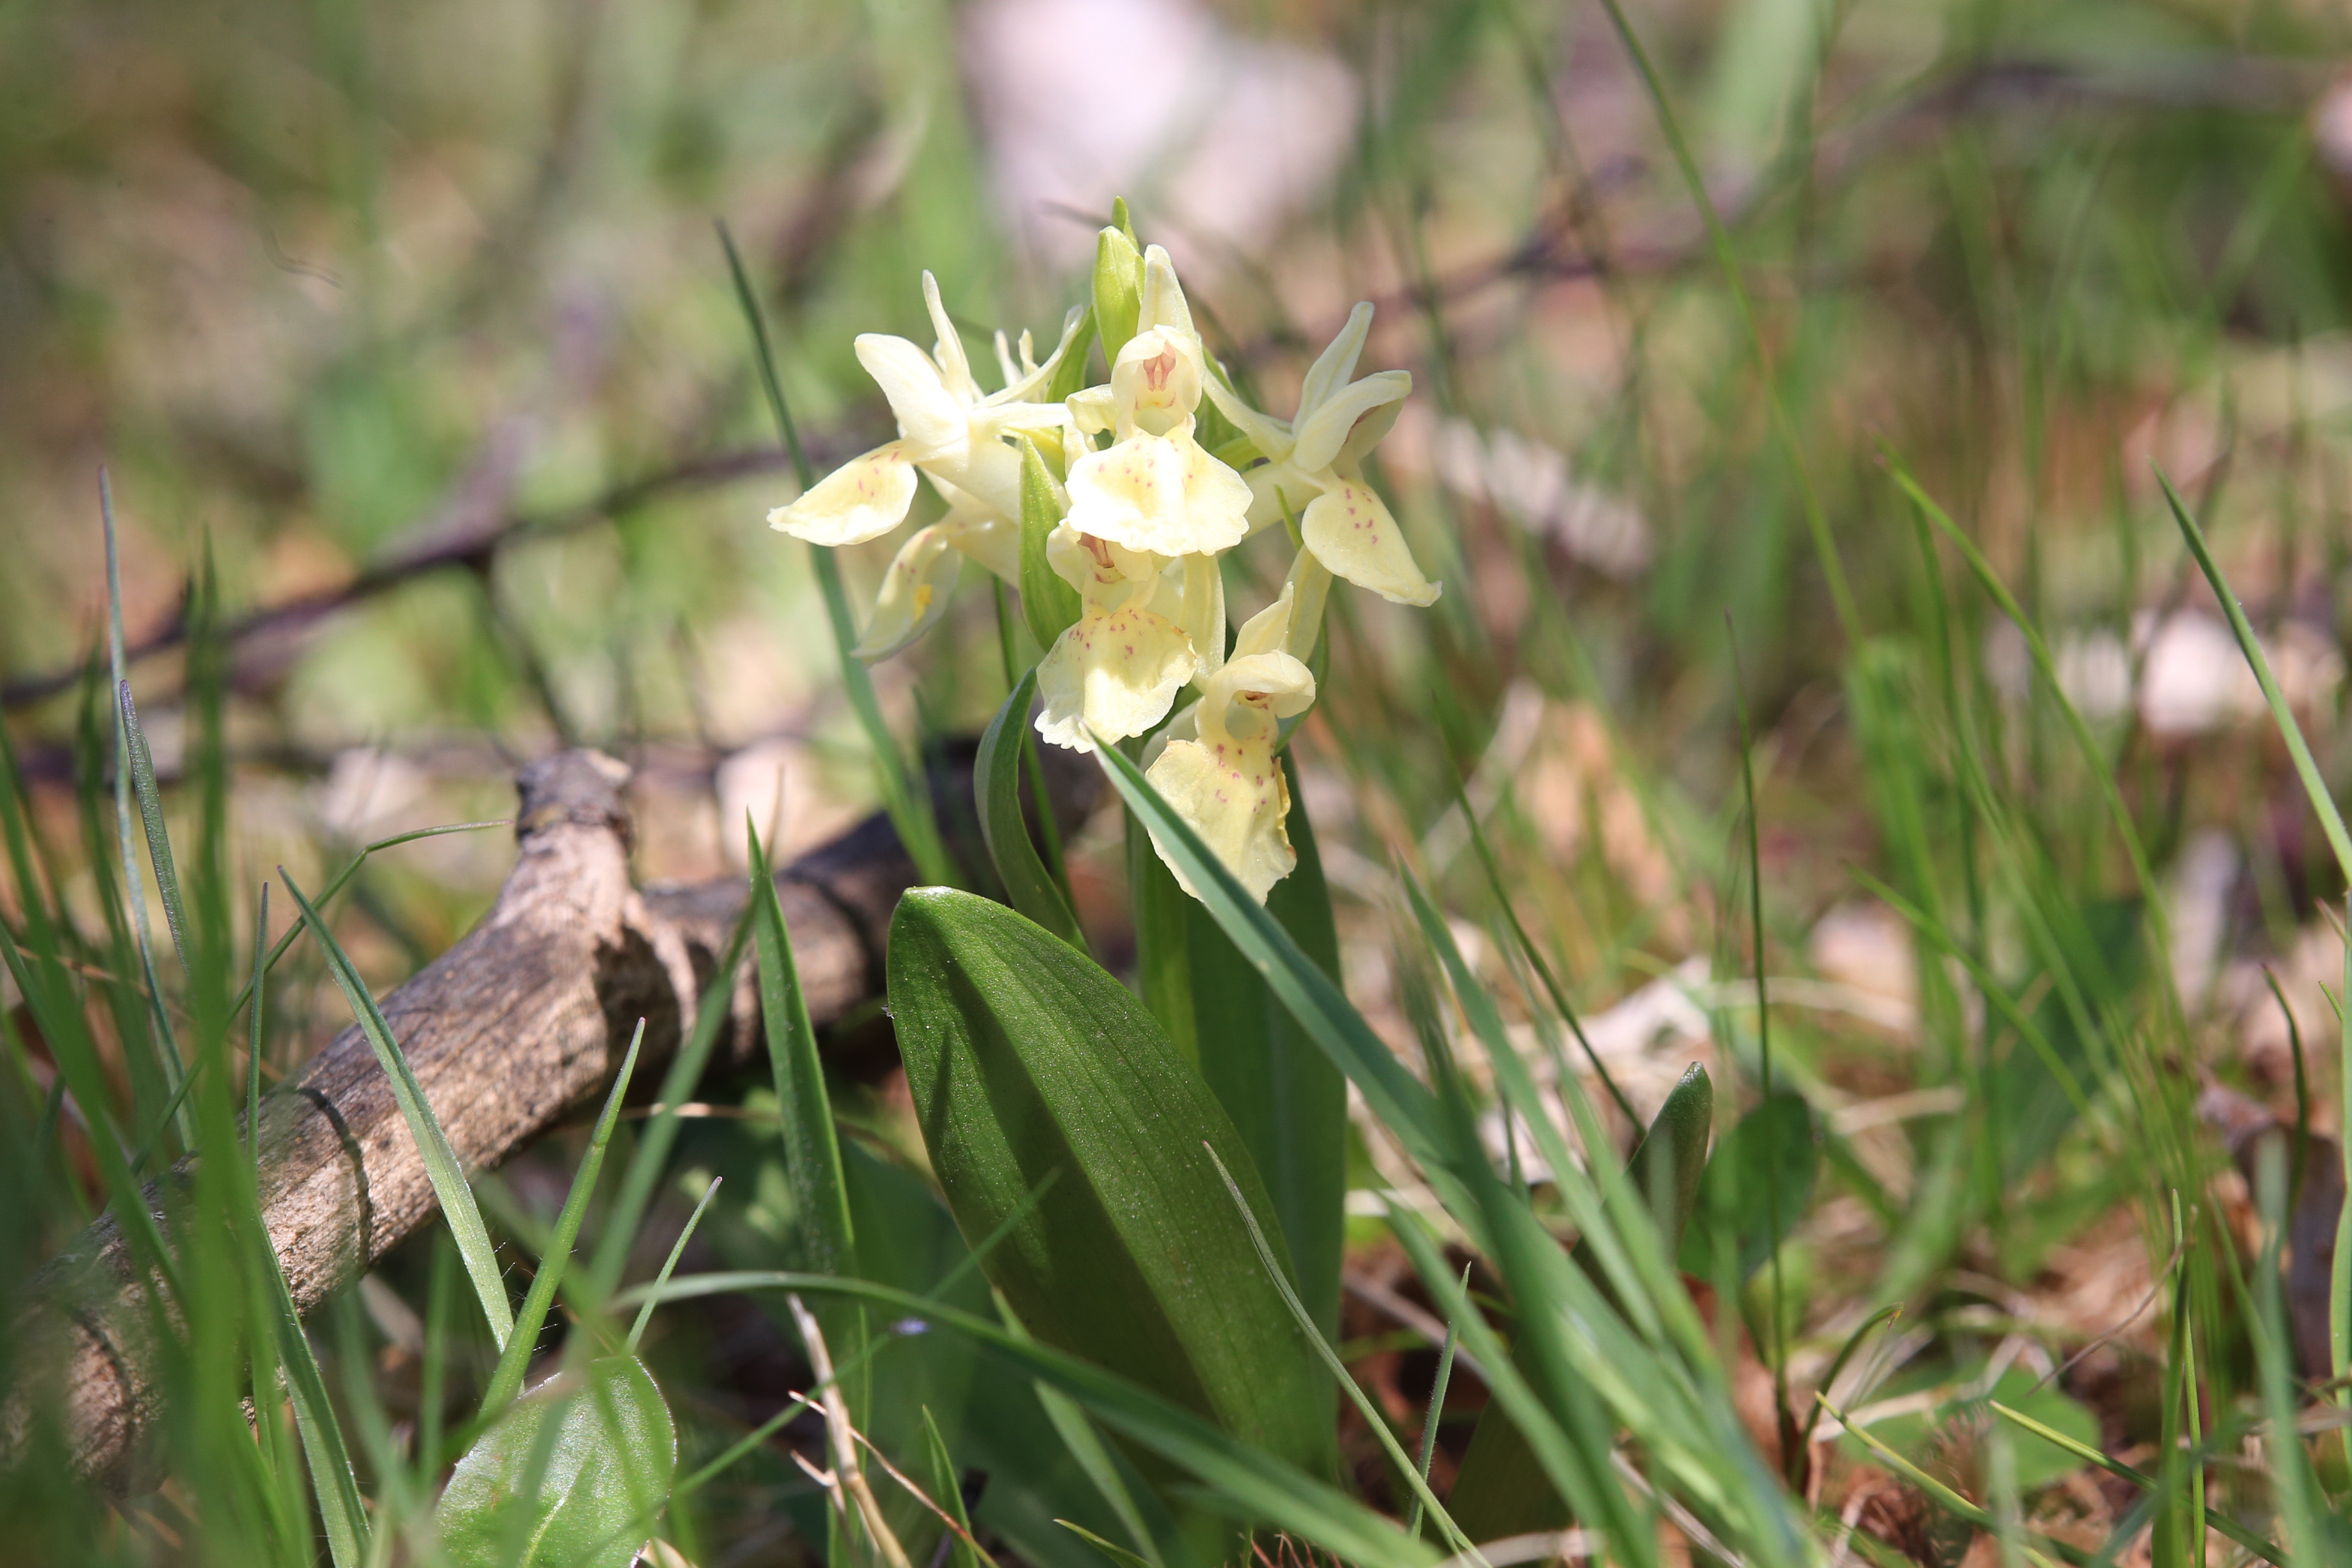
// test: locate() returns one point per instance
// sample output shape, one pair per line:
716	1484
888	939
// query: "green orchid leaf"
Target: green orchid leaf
996	780
570	1476
1025	1060
1755	1189
1287	1100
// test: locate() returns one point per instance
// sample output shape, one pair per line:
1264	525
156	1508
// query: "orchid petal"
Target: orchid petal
864	498
936	425
1185	726
1332	368
1163	494
1111	675
1275	486
914	593
1155	383
1268	630
1203	611
1034	378
1252	691
1163	298
987	537
1366	436
1351	533
1270	435
955	366
1236	799
1309	585
1321	433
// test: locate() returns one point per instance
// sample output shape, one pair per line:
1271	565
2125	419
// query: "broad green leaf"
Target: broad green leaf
1251	1483
1025	1058
1047	603
441	1167
1164	941
996	780
1287	1100
1500	1488
570	1476
1402	1102
1755	1189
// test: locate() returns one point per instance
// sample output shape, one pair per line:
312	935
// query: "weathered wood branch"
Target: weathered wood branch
525	1018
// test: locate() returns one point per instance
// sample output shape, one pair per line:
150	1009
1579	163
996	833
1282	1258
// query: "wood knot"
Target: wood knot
577	786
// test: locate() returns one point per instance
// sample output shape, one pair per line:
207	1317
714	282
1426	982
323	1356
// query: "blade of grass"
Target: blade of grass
1436	1410
2101	765
2331	822
1793	1456
2301	1501
514	1359
147	1146
1119	1555
906	797
151	819
1837	1364
441	1167
1377	1422
2268	1550
1239	1477
2302	1087
670	1264
1943	1496
254	1035
1535	959
166	1054
651	1156
1784	428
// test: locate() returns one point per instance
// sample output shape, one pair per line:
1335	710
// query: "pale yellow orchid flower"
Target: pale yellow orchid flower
956	437
1115	671
1226	782
1312	467
945	428
1155	487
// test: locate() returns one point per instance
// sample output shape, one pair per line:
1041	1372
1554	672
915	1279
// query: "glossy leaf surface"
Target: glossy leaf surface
570	1476
1025	1060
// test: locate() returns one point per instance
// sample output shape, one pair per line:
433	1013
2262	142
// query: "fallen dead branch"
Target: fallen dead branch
523	1019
